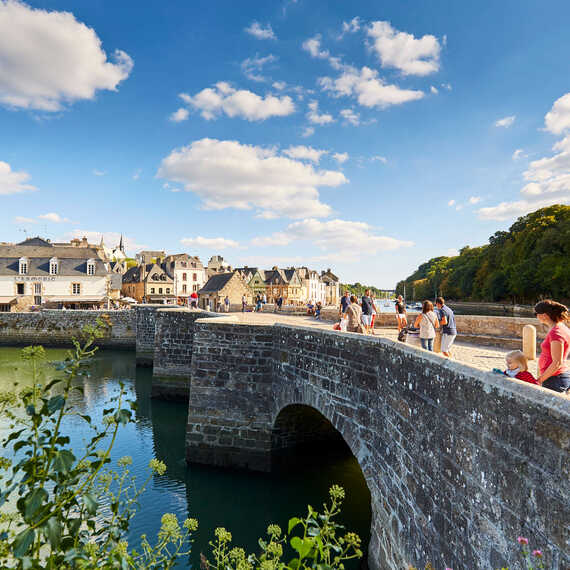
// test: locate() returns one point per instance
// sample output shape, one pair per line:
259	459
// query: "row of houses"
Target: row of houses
79	275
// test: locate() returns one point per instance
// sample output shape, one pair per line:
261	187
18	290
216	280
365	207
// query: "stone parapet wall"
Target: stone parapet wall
458	462
57	328
229	421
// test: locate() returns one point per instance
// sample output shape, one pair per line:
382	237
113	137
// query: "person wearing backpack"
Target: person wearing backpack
427	322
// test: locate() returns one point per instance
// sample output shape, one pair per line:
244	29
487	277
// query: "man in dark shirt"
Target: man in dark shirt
344	302
367	310
447	321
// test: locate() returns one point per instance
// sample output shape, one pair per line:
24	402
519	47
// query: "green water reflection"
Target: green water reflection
243	502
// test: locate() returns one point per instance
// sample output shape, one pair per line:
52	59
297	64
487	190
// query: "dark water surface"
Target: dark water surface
244	502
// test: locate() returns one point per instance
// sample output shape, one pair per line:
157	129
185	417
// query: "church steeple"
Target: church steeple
121	246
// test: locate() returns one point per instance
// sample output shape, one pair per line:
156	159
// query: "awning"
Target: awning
7	300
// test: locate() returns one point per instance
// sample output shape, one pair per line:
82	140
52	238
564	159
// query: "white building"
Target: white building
217	264
314	289
36	272
188	273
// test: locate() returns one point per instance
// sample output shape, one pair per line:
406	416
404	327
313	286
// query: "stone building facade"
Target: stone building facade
212	295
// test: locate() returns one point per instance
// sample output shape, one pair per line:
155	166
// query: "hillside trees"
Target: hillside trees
528	262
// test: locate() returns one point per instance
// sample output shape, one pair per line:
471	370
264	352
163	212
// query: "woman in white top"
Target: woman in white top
427	322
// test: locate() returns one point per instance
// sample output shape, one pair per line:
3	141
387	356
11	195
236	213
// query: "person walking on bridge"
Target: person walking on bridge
401	315
367	310
448	328
344	303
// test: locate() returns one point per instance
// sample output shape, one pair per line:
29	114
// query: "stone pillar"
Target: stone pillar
173	347
229	415
529	341
145	325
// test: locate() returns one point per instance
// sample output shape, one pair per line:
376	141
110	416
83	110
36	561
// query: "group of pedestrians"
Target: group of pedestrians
358	316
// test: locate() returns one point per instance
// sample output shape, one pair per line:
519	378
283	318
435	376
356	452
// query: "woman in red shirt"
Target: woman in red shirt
554	372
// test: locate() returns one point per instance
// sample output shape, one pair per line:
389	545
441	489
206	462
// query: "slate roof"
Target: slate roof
35	249
216	282
39	266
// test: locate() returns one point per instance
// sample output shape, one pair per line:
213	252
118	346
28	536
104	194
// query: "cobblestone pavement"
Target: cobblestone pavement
481	357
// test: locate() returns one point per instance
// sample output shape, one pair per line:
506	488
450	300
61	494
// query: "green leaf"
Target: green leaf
74	525
293	523
294	564
55	403
52	384
34	501
90	503
52	531
30	410
63	460
23	541
302	545
123	417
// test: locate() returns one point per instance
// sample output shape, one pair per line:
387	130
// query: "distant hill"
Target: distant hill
358	290
528	262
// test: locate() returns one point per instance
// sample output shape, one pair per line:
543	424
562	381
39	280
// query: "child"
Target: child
517	367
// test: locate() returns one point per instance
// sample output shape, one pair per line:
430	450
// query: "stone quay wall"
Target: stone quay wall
484	330
173	342
53	328
458	462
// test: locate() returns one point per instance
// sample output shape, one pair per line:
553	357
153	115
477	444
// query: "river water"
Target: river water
244	502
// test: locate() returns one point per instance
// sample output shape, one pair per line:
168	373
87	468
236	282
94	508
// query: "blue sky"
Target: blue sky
364	136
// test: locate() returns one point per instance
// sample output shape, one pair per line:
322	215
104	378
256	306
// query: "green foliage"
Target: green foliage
529	262
358	290
64	510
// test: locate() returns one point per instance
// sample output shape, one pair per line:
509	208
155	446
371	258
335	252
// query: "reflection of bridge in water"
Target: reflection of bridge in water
455	459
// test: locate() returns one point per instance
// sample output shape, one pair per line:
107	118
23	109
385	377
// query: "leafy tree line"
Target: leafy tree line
358	290
528	262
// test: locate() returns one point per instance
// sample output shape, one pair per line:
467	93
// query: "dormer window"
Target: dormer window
53	266
23	270
90	267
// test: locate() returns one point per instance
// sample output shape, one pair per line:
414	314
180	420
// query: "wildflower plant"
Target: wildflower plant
62	509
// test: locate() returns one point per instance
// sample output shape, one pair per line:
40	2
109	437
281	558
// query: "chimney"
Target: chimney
84	242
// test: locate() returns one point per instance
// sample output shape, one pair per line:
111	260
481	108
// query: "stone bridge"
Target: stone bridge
458	462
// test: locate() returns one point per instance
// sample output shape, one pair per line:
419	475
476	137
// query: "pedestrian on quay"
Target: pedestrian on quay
401	315
318	308
374	313
367	311
258	305
278	304
448	328
353	314
344	302
427	322
552	363
227	304
243	303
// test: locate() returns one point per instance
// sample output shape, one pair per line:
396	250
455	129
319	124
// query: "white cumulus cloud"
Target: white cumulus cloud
24	220
519	153
368	88
340	236
434	90
505	122
548	178
451	203
49	59
228	174
225	99
180	115
412	56
350	27
474	200
318	118
252	67
261	32
557	119
12	182
308	132
379	158
209	243
340	157
313	46
350	116
305	152
53	217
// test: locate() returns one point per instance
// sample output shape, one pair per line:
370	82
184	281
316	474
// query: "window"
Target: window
183	264
184	289
152	290
23	266
194	288
37	300
194	277
167	290
21	288
160	290
76	288
53	266
90	269
184	277
37	288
